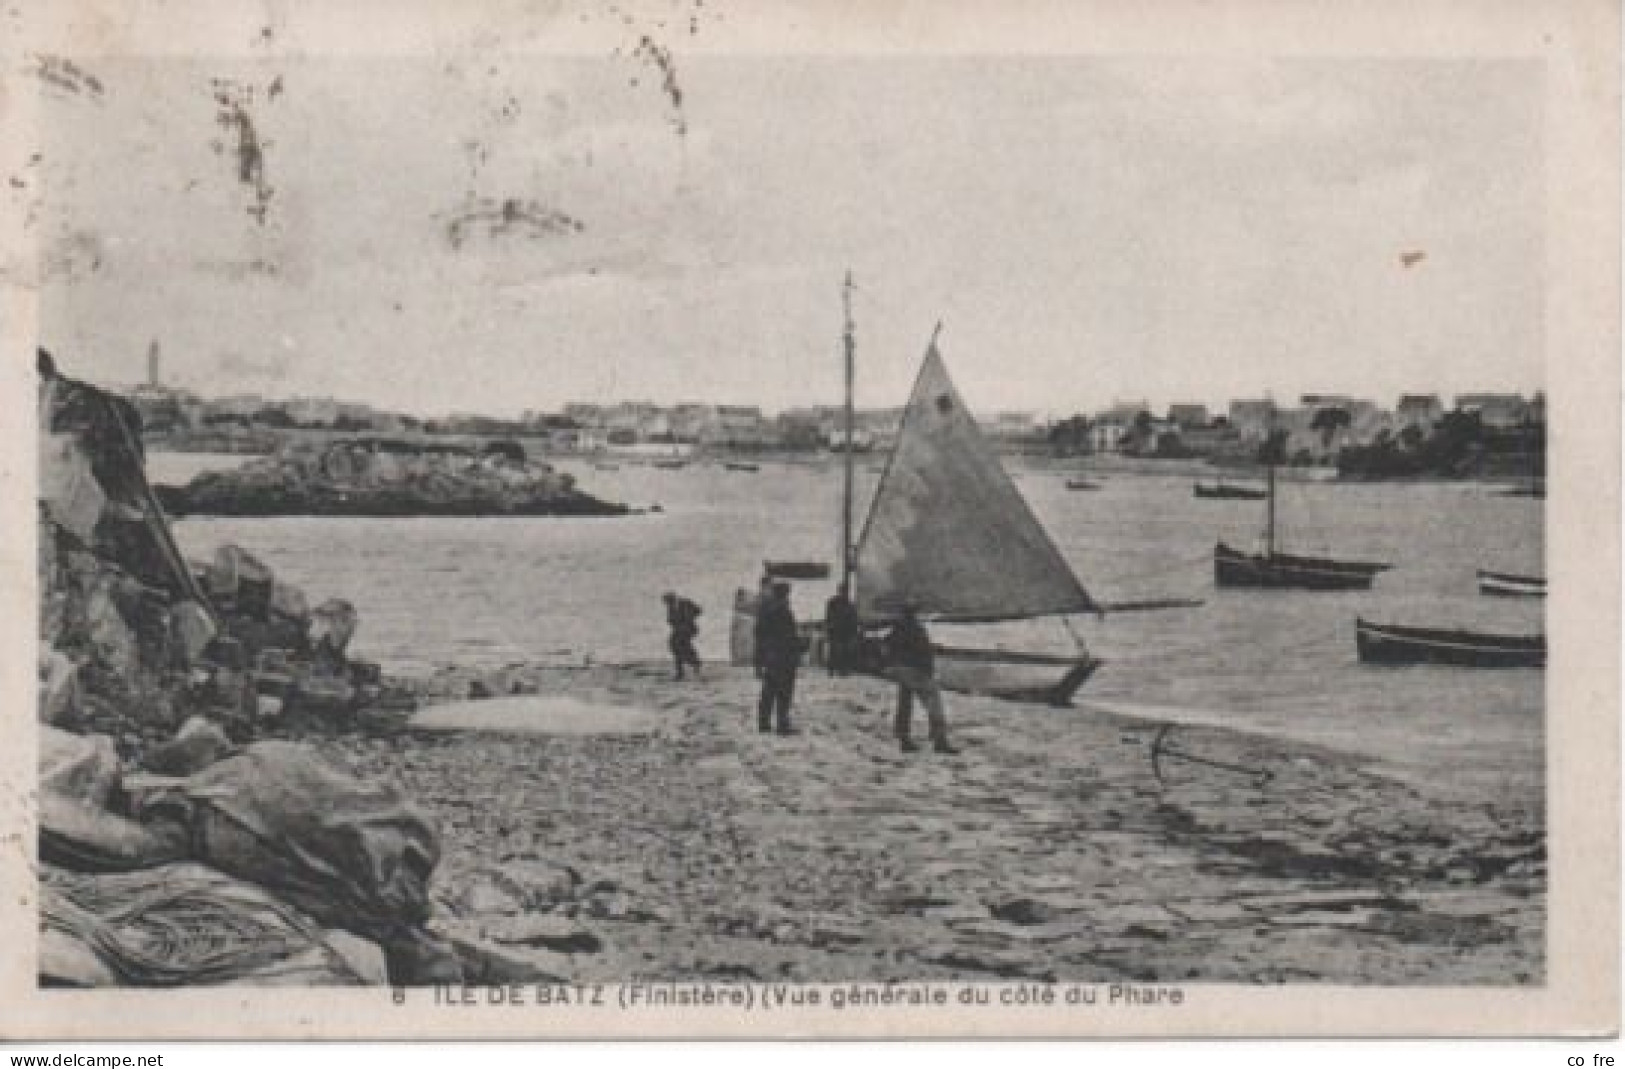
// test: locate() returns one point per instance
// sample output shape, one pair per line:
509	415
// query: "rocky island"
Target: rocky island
388	477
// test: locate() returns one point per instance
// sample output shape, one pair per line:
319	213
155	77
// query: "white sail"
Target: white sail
948	530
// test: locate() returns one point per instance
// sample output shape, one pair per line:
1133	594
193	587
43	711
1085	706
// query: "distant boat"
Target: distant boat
739	465
1223	491
796	569
671	464
1285	571
1506	585
1274	570
1390	644
1535	490
606	467
1081	484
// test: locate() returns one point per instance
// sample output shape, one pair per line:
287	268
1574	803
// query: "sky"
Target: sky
499	234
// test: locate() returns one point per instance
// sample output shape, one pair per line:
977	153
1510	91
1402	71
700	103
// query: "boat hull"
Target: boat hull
796	569
1013	676
1048	679
1282	571
1500	584
1388	644
1229	493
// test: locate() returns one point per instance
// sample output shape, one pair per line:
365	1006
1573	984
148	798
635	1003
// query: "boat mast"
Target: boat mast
1269	485
848	564
1269	508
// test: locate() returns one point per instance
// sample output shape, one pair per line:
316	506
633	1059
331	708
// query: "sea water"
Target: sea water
490	592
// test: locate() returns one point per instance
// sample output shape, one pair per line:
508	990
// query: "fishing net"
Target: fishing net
179	925
351	852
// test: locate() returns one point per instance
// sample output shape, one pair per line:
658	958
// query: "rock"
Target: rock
82	767
58	686
481	896
365	958
111	637
1023	911
485	964
517	886
417	958
332	625
198	744
192	630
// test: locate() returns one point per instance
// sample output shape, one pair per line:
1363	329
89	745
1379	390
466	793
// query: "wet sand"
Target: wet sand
1046	850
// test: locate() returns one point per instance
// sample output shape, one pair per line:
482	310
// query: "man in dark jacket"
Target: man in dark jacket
683	617
841	632
778	654
911	661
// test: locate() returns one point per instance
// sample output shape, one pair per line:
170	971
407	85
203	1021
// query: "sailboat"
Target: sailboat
1273	569
1224	491
948	533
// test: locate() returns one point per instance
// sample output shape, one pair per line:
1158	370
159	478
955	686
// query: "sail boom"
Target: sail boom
982	618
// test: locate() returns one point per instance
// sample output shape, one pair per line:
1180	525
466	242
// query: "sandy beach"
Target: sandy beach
682	844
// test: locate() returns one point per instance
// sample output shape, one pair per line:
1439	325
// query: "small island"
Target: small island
388	477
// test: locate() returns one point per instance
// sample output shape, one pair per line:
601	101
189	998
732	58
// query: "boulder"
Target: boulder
82	767
197	745
58	686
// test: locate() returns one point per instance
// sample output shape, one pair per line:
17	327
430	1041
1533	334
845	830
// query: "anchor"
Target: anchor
1161	749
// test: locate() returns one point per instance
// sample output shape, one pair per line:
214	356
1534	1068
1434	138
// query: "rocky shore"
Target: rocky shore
1048	850
387	477
623	826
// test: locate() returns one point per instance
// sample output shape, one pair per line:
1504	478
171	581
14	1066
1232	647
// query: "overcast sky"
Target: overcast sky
498	235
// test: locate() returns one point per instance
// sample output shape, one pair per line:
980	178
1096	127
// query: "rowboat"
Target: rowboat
1502	584
796	569
1081	484
1228	492
1390	644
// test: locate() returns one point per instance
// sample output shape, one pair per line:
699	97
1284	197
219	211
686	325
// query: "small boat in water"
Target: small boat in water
1081	484
1394	645
1503	584
1223	491
739	465
796	569
1274	570
1286	571
671	464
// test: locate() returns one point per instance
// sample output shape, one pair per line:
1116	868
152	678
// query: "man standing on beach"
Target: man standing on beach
841	631
778	654
911	661
682	616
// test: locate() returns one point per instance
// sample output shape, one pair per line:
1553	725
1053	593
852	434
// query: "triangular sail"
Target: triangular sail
949	531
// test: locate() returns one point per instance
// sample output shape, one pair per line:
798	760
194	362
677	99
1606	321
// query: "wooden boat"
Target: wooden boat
671	463
1223	491
1503	584
1285	571
739	465
796	569
1274	570
949	534
1394	645
1081	484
